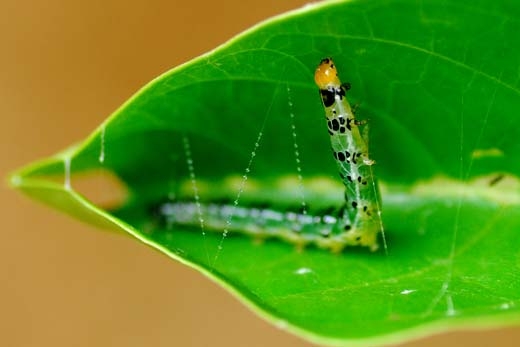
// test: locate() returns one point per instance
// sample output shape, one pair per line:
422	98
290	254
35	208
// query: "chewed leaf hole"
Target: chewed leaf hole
101	187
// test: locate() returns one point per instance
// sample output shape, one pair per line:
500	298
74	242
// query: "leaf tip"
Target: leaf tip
14	180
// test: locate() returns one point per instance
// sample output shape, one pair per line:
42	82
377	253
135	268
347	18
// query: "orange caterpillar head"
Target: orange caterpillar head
326	74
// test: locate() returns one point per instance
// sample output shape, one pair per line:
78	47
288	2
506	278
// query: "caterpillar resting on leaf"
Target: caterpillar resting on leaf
356	223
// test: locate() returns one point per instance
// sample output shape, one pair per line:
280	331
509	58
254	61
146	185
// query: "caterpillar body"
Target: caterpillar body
292	225
356	223
362	220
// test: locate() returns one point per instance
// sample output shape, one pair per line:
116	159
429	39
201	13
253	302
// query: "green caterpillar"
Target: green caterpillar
356	223
362	220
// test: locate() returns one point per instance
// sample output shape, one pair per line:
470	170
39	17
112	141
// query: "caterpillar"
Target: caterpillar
362	220
292	225
356	223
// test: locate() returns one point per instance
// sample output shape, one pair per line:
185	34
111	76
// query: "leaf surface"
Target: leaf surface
439	83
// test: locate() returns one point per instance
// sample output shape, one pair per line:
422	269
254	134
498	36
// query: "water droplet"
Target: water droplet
66	164
102	146
303	271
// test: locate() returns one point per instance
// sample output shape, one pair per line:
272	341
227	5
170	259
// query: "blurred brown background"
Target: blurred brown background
65	66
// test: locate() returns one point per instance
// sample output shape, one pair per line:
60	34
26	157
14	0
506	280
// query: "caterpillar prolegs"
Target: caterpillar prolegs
356	223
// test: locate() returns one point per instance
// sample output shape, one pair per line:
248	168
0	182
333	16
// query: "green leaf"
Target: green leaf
440	84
